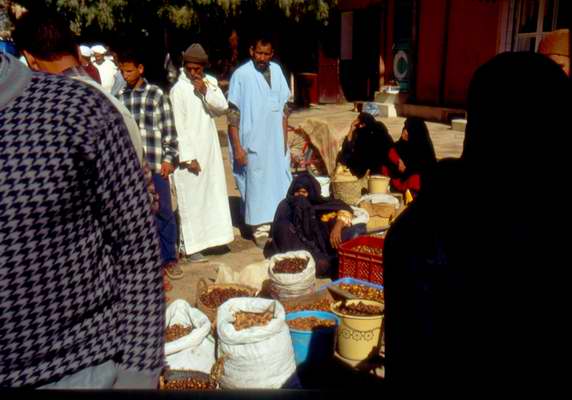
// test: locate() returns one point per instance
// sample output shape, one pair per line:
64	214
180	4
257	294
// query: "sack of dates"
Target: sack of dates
255	341
293	274
188	343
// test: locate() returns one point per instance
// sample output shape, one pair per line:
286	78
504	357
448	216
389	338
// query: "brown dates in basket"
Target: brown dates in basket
190	384
364	292
176	331
319	305
310	323
362	248
290	266
359	309
215	297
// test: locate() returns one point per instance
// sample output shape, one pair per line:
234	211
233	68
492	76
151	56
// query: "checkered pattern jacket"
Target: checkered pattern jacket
152	111
80	276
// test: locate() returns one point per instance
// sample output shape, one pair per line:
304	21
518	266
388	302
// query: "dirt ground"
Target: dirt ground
242	251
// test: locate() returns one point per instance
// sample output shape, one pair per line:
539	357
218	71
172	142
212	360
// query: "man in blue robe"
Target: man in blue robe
258	136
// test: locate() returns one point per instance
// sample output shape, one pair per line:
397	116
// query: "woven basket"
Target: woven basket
204	288
349	190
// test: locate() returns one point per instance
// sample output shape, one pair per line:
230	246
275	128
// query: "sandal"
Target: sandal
174	271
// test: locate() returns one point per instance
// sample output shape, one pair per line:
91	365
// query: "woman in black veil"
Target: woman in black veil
305	220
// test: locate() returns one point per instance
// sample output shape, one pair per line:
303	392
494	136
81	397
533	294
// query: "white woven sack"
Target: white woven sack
293	285
194	351
260	357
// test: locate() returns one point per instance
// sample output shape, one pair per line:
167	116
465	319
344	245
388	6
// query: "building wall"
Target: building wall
473	39
430	45
455	37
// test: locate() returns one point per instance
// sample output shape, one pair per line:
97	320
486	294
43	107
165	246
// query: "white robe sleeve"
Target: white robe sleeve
180	113
214	98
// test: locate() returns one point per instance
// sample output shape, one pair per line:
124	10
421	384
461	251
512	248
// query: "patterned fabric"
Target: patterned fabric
152	111
80	277
81	73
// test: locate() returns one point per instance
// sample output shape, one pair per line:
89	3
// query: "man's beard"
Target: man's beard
261	66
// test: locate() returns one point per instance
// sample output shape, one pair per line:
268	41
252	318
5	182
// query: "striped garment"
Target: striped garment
152	111
80	277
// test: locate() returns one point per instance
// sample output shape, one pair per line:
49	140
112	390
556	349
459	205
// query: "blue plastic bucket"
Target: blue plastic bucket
313	346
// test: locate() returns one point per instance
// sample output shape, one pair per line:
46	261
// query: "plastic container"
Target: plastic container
359	338
324	185
358	264
313	347
378	184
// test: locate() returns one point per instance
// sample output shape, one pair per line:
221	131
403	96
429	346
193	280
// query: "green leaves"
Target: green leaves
109	15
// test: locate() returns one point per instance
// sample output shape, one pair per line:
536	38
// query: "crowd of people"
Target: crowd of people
97	161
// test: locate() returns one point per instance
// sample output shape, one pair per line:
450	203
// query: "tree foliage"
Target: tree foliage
108	15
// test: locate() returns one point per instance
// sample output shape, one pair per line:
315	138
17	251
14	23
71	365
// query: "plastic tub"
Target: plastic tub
313	347
359	338
378	184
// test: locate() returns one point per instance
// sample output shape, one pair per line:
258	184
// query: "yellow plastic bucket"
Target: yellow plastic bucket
358	338
378	184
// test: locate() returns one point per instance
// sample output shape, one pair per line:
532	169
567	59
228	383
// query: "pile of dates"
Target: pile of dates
177	331
319	305
359	309
310	323
362	248
364	292
215	297
190	383
290	266
245	319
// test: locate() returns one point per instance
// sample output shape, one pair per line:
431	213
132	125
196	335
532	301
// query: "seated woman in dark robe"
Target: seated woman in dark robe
411	157
366	146
305	220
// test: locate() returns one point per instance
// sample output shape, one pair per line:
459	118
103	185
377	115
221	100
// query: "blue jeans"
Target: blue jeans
165	220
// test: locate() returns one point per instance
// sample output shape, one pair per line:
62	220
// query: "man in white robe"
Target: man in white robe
258	137
200	180
107	68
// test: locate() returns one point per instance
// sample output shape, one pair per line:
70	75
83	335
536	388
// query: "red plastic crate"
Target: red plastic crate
358	264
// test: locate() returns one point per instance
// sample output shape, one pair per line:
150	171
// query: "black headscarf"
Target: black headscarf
417	151
368	148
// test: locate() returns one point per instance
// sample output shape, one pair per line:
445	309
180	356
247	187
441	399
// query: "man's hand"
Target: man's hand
353	127
166	169
401	166
336	234
240	157
194	167
200	86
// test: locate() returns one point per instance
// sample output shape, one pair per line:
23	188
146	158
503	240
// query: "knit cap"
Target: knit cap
196	54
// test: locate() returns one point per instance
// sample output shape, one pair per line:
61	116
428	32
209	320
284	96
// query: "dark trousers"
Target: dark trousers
165	220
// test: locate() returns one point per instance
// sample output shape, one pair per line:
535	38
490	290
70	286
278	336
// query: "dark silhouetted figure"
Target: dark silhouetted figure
475	269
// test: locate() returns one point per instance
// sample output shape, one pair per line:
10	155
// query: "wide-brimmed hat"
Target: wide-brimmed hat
196	54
